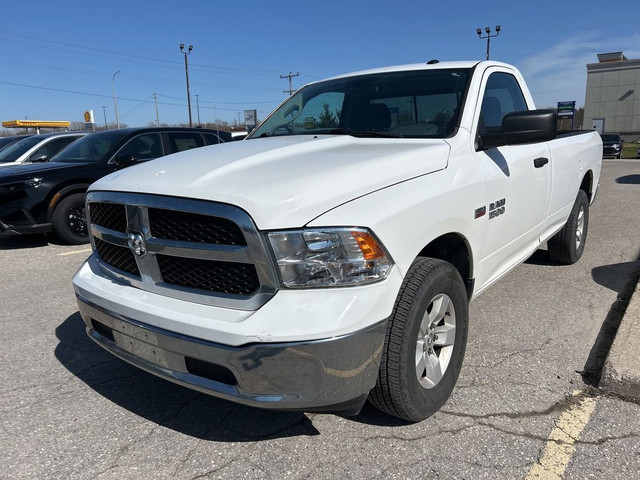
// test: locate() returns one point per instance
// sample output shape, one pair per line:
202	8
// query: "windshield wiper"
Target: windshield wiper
363	133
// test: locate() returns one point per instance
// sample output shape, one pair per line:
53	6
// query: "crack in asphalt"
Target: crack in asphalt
556	407
223	419
124	449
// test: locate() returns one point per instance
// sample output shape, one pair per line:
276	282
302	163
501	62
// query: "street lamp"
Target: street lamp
104	111
198	108
488	36
115	104
186	71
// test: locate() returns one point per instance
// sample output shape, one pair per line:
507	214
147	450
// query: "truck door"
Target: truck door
517	179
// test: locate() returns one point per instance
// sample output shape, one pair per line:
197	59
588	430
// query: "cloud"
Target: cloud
559	73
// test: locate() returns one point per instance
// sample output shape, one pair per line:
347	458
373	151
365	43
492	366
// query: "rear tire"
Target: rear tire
425	342
567	245
68	222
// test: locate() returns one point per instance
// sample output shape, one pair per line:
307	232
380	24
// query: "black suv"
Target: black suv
611	145
44	197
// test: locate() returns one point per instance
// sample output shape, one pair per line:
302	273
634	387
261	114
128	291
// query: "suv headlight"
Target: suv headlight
21	185
329	257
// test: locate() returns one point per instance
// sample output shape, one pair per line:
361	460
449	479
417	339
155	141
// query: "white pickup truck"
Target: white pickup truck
329	258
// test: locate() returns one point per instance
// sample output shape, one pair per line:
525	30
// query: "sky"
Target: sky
61	59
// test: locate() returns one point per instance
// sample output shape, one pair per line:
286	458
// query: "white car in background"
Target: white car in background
37	148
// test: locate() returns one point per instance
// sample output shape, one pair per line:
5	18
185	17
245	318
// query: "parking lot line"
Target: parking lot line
561	443
84	250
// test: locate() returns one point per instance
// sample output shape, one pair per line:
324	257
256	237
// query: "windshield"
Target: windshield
92	148
4	141
611	138
15	151
412	104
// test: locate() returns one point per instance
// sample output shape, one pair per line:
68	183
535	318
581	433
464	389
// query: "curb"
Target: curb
621	372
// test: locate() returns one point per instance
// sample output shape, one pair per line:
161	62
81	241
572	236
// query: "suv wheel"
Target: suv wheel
68	221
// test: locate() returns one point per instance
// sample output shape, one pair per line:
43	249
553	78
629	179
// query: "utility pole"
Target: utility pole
198	108
290	76
215	114
488	36
186	71
104	111
155	99
115	104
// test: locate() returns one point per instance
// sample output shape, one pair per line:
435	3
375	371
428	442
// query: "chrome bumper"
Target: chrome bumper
332	375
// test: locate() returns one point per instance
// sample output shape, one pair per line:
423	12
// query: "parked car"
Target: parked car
44	197
611	145
37	148
6	141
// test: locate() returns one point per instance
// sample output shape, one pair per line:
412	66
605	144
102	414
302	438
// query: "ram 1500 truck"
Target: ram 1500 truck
330	257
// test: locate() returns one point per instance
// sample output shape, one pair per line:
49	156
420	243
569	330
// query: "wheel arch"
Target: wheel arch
62	193
587	184
455	249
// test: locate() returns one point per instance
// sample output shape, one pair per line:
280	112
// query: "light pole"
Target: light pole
488	36
104	111
186	71
198	108
115	104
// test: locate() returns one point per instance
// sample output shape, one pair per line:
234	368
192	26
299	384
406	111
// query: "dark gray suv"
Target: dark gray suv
611	145
44	197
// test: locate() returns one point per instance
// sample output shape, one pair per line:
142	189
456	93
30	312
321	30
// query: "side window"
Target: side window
212	139
144	147
502	95
54	146
181	141
320	112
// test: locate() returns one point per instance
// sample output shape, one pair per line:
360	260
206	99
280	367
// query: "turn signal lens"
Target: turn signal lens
368	245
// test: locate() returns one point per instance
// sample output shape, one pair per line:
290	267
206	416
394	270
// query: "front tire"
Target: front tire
68	221
425	342
567	245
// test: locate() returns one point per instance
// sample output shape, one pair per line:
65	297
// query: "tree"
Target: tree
327	119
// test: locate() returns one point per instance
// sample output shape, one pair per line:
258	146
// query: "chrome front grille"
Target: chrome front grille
194	250
193	227
110	215
217	277
119	257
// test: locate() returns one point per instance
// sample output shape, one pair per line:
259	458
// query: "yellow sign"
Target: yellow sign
36	124
87	117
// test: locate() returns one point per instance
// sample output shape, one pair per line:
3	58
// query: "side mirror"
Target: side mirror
126	160
38	158
529	126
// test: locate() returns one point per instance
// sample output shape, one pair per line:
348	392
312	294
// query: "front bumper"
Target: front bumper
7	229
17	220
610	151
330	375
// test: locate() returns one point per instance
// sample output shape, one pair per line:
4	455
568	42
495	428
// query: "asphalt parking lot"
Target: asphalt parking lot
527	404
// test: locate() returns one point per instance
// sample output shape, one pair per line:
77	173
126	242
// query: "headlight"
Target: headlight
21	185
329	257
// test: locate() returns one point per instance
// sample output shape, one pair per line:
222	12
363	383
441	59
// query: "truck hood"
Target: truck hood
284	182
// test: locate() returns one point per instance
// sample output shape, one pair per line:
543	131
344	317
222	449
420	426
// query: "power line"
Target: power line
167	63
73	92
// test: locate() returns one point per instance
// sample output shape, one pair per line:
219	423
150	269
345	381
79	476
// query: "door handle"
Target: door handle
540	162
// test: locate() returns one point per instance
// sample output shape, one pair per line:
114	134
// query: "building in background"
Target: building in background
612	102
